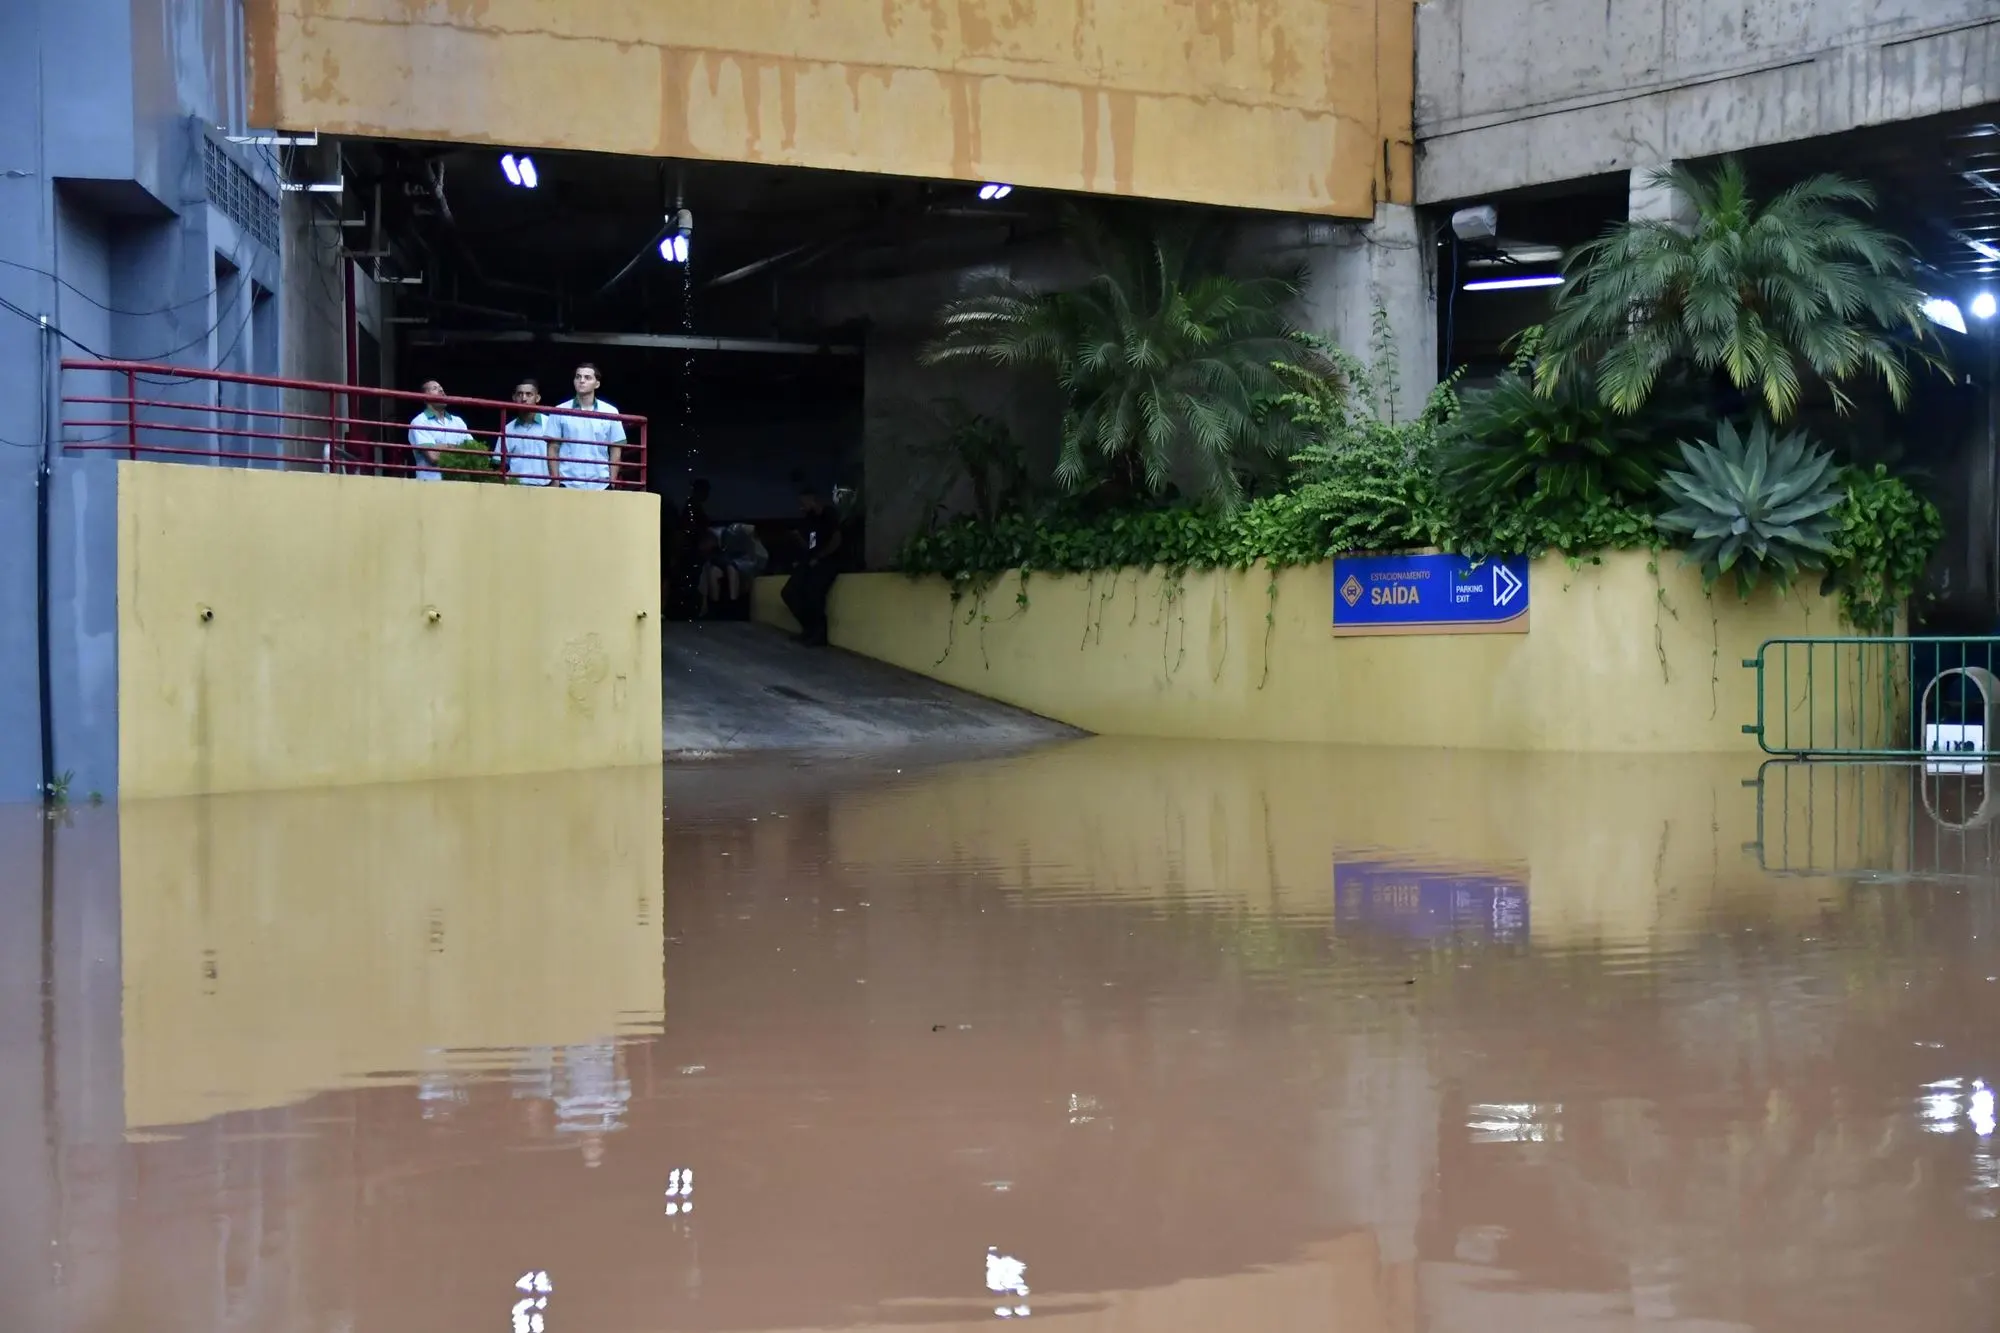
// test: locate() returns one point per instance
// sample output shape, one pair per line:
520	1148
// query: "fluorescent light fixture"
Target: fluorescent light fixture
1984	306
511	168
1944	314
529	177
994	190
1514	284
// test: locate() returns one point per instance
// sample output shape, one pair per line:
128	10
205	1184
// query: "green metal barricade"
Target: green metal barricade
1878	698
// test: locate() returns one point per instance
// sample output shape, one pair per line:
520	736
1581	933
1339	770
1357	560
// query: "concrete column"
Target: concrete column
1355	270
1648	202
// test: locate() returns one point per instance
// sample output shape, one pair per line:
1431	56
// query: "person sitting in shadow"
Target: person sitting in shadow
732	558
807	590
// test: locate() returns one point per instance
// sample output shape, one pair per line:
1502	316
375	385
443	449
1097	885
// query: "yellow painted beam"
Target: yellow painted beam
1295	105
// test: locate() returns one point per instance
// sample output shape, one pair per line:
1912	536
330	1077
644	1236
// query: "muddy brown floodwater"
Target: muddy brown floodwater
1108	1036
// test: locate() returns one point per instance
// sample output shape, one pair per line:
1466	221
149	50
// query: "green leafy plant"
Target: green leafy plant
1511	440
1364	481
1164	357
1754	504
470	465
958	445
1768	293
1884	536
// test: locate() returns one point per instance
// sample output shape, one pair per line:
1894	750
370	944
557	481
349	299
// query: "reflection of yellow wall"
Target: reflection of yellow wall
276	944
1617	660
1299	105
1616	849
321	664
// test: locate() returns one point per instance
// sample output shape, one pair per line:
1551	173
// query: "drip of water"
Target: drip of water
689	448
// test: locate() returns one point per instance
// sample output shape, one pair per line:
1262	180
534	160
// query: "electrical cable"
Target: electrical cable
108	309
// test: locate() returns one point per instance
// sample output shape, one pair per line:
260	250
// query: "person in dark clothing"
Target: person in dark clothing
806	591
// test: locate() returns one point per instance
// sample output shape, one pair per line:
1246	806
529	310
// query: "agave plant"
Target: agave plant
1165	357
1756	504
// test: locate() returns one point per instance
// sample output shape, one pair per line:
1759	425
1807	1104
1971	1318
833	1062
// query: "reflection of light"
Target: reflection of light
1940	1105
528	1316
1514	1122
1082	1110
1984	306
1007	1276
1979	1110
680	1191
511	169
529	178
993	190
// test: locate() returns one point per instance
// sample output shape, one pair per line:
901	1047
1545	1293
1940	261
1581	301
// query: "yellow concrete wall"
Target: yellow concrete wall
1299	105
1627	655
322	664
276	944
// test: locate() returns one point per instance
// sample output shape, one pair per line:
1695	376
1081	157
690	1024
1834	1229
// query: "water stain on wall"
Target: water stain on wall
1235	102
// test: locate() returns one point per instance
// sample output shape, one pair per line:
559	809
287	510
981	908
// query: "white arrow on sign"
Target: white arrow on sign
1506	584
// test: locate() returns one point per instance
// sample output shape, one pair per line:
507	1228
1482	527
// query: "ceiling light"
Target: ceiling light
1514	284
994	190
1945	314
675	246
529	178
511	168
1984	306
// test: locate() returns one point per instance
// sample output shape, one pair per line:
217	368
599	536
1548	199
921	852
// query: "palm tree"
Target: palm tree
1166	359
1768	293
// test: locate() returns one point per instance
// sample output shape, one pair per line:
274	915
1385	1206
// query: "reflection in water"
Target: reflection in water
1214	1037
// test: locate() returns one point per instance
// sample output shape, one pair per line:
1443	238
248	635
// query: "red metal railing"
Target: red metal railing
146	422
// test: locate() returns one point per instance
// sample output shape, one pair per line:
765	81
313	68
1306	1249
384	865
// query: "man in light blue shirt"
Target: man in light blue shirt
530	442
434	430
592	446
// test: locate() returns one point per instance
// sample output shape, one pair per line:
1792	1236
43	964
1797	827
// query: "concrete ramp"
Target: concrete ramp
738	687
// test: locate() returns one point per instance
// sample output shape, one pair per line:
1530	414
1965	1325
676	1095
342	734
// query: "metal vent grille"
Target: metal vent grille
242	200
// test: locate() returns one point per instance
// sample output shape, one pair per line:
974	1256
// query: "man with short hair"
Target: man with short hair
592	446
806	591
434	430
530	444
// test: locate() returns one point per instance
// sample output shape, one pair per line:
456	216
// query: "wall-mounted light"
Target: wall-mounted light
1984	306
1945	314
675	247
993	190
1514	284
520	171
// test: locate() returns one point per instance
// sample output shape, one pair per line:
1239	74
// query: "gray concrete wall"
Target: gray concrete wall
1522	92
108	246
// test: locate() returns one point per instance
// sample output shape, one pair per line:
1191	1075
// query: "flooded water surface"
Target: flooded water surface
1107	1036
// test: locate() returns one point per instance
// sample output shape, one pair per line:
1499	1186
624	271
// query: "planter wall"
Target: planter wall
1628	655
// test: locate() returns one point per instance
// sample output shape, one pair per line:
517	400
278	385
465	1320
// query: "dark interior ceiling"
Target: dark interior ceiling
1937	183
493	255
